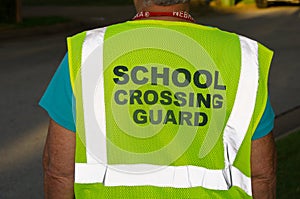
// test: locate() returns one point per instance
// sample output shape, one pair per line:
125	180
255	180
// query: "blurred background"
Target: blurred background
32	44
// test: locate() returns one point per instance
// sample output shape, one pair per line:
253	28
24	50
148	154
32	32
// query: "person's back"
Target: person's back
166	109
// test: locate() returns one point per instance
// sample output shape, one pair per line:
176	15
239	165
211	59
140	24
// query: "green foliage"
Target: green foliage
288	177
77	2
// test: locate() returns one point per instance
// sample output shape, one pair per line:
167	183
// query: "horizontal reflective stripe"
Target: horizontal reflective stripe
161	176
240	180
89	173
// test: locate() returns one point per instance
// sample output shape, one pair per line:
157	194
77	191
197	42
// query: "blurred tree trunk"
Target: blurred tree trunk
19	18
10	11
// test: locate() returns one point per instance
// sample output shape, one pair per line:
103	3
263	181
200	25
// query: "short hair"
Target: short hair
164	2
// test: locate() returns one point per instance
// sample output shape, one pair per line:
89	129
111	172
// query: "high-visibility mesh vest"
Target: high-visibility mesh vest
165	110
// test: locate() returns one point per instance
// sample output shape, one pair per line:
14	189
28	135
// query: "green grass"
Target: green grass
77	2
288	172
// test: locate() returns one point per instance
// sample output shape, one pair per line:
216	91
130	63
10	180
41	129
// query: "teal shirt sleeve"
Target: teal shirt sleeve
58	101
266	123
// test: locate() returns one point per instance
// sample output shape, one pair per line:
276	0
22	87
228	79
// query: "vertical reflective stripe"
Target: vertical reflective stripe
244	104
94	117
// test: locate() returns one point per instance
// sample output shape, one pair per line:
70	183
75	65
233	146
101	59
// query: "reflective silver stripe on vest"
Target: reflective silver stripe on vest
161	176
97	171
91	68
244	104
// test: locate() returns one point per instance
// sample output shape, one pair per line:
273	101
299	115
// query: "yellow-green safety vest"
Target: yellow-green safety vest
165	110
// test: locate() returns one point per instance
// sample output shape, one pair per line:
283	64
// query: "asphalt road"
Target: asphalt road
27	64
